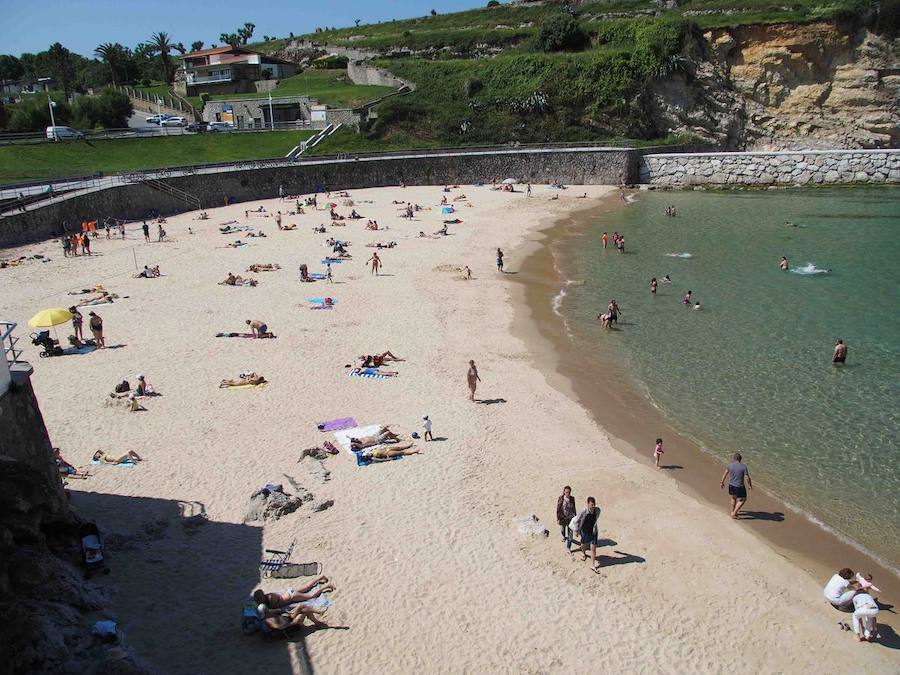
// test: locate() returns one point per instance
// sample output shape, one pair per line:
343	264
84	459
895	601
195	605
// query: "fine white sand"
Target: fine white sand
430	571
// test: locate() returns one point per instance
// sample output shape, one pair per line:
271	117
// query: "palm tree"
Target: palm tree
162	46
111	54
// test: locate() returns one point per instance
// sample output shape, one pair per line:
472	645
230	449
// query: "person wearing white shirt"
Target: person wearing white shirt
426	423
839	591
865	616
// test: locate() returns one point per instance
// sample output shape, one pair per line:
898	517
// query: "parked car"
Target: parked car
197	127
64	134
219	126
157	119
174	122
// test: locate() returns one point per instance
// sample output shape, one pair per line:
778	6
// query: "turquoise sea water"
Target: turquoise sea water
752	370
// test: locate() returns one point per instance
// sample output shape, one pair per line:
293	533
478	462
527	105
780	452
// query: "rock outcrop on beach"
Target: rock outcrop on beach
275	505
785	86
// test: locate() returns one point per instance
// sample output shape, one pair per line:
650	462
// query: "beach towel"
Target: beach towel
128	464
319	276
365	461
332	261
236	335
246	386
373	373
343	436
337	425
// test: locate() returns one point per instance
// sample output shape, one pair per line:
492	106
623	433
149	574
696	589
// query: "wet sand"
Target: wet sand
632	423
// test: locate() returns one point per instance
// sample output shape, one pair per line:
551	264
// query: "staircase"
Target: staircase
312	142
172	191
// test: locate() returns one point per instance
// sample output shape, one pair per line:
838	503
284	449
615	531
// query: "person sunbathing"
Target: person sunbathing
288	228
105	458
385	454
277	619
319	230
443	230
256	234
104	298
263	267
242	379
232	280
307	592
460	198
383	435
87	291
66	470
335	216
236	244
370	361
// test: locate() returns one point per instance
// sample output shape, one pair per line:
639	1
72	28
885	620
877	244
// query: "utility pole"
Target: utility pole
271	116
52	118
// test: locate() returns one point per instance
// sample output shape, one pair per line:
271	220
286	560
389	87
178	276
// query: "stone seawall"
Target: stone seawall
361	72
577	166
824	167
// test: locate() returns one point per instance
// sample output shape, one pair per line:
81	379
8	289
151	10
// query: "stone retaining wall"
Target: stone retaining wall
360	72
133	201
823	167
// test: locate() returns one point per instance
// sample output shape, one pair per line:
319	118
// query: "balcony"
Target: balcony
192	78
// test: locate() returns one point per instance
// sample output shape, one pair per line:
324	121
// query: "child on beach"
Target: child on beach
426	425
657	451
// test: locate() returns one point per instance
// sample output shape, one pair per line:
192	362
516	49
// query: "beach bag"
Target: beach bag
573	524
122	387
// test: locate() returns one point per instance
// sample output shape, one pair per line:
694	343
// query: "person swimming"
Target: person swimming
784	264
666	279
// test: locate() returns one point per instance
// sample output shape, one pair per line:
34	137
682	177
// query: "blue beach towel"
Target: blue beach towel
364	461
128	464
317	275
367	372
333	261
320	301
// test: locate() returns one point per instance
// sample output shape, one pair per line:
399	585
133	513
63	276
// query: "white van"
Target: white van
64	133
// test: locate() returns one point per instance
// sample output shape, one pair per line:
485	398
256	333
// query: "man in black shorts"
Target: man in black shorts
840	352
735	473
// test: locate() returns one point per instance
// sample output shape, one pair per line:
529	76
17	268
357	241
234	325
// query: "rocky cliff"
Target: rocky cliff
785	86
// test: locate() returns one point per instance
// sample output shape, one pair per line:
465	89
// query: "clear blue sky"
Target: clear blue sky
81	25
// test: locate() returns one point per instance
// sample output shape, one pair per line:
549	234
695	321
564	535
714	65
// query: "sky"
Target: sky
81	25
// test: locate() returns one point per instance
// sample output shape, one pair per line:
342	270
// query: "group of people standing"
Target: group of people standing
583	522
618	241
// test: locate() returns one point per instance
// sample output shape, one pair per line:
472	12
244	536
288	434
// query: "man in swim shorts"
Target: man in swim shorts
735	473
840	352
258	328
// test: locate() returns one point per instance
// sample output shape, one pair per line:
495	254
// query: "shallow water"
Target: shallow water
751	371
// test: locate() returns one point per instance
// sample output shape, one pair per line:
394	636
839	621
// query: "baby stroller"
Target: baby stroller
92	550
51	346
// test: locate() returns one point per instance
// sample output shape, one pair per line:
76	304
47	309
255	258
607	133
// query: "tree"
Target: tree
433	13
179	47
4	116
162	47
246	32
493	3
561	33
111	110
113	55
10	67
33	114
232	39
60	62
196	45
356	22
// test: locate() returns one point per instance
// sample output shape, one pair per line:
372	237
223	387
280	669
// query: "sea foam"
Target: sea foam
808	269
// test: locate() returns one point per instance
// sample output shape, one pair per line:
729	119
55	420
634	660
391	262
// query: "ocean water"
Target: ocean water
752	371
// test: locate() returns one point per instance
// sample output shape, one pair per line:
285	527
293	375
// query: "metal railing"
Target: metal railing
8	341
193	79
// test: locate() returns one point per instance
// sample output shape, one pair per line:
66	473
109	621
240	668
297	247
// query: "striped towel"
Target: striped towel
367	372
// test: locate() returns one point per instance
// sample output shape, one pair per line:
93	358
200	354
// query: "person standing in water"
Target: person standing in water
736	473
472	380
605	239
686	300
613	311
784	264
840	352
653	286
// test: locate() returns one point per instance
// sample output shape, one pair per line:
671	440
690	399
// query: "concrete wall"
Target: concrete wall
772	168
609	167
255	108
360	72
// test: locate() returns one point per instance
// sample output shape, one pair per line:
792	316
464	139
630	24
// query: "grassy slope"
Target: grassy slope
330	87
47	160
463	30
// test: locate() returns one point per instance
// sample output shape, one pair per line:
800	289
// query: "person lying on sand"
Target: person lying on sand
236	244
385	454
306	592
106	458
242	379
102	299
442	231
370	361
263	267
378	244
256	234
460	198
319	230
276	619
232	280
383	435
292	226
86	291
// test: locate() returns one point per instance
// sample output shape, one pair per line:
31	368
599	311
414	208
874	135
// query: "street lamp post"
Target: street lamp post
159	119
52	105
271	116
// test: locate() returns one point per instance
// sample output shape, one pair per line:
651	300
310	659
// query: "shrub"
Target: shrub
111	110
561	33
204	97
33	114
493	3
333	61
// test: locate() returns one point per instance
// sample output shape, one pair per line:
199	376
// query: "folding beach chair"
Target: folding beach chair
278	566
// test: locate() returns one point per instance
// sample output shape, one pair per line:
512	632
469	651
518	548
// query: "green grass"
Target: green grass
155	90
49	160
330	87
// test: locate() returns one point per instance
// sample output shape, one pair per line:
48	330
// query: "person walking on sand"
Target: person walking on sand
146	228
472	379
86	244
528	190
96	324
840	352
426	426
499	260
657	452
736	473
328	273
77	322
376	263
586	524
784	264
565	511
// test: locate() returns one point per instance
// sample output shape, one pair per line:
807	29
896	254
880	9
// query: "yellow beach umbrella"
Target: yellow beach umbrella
50	317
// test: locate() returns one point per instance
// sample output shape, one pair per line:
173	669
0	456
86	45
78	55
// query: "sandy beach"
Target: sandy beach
431	572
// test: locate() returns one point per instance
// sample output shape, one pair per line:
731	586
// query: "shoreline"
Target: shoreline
621	411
